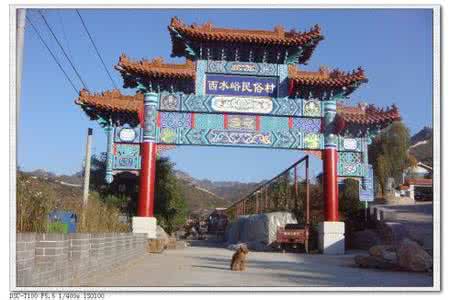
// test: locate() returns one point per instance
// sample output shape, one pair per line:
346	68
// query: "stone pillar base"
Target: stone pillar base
331	237
145	225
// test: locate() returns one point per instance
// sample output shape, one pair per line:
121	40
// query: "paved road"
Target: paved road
207	264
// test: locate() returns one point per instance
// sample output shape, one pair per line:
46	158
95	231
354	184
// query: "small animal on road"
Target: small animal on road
239	259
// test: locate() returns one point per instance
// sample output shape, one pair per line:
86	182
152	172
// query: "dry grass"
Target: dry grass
37	197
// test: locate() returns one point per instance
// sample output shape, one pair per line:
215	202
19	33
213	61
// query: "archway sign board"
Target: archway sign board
239	88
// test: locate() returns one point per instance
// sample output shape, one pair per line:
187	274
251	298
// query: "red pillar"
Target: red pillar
147	180
149	121
330	185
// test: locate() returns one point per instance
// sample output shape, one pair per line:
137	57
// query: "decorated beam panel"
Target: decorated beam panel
353	158
239	130
240	104
123	150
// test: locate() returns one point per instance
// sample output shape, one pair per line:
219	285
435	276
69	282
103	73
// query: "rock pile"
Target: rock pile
407	255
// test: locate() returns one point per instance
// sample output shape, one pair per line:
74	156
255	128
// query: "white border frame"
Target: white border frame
436	147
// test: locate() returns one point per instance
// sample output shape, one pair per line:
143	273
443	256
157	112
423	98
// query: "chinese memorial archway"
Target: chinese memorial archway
238	88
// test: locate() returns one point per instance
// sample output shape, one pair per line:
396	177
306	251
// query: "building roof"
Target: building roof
427	167
207	33
419	181
364	114
111	100
325	77
153	69
158	69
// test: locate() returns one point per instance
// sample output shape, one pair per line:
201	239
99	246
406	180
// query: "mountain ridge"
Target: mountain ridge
422	146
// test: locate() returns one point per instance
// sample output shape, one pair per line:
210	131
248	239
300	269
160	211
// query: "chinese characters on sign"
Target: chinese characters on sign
241	85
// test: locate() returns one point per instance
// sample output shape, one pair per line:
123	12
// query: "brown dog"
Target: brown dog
238	259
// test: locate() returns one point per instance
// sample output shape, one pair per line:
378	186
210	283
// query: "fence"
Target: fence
56	259
288	191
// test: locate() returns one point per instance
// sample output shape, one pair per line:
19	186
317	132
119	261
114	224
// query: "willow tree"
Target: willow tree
388	154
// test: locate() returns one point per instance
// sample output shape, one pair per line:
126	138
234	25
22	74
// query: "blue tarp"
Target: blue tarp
65	217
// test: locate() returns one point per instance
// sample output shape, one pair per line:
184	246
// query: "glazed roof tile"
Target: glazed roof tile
325	77
207	32
155	68
111	100
364	114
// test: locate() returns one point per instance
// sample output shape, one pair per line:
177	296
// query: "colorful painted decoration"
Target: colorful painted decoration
311	108
127	134
169	102
233	104
231	137
126	157
109	130
241	122
286	139
240	85
209	121
232	67
168	135
274	123
312	141
307	125
150	113
257	105
195	103
350	144
350	164
175	120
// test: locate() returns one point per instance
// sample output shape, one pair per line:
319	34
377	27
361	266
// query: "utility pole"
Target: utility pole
87	173
20	33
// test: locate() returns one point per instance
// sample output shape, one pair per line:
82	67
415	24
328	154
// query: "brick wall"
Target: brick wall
53	259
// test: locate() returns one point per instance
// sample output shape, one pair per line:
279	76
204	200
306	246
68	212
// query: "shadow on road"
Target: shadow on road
210	267
207	243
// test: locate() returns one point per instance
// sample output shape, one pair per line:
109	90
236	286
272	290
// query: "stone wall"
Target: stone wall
53	259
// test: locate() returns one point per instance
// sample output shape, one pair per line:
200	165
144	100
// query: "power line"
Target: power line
96	50
64	34
54	57
65	54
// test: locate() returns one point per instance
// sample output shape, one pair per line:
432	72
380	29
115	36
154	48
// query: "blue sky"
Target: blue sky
393	46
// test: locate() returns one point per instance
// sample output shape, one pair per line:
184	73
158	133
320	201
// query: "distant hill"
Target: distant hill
40	180
230	191
74	180
422	146
201	196
199	200
424	134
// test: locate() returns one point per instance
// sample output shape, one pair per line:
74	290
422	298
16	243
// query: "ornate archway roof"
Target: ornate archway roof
156	68
208	33
113	101
368	115
326	77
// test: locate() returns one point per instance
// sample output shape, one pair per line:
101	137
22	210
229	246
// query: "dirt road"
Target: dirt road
207	264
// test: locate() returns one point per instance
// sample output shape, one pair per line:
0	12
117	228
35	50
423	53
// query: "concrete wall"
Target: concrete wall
53	259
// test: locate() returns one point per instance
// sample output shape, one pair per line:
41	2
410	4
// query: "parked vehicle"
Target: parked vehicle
292	236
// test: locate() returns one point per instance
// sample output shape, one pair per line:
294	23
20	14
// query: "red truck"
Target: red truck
293	235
